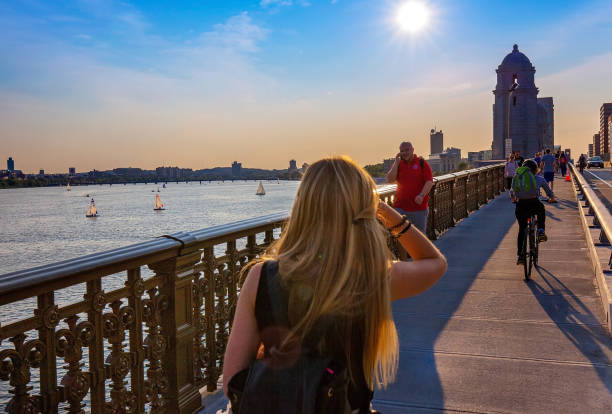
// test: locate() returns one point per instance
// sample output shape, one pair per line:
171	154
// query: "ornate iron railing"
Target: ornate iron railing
162	310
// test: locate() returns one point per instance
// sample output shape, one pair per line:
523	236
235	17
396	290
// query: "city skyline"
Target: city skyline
101	85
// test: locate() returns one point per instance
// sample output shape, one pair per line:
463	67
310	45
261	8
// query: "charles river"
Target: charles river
44	225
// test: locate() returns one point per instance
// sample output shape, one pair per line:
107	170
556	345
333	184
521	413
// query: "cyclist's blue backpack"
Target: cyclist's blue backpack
524	183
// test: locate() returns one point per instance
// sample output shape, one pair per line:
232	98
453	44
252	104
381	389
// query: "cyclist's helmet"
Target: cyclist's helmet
531	164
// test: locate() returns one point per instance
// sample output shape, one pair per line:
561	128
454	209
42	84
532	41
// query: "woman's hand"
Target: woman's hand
388	215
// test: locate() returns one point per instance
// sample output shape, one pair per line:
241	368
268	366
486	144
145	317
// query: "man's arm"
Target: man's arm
543	184
428	177
392	174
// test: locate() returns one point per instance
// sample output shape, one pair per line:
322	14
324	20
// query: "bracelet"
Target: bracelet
404	230
404	219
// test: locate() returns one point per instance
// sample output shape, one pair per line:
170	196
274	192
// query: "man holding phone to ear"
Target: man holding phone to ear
414	179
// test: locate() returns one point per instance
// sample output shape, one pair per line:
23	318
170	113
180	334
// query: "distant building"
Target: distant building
72	171
604	138
387	164
590	150
236	169
292	165
596	144
10	164
456	152
436	141
446	161
173	173
476	156
531	119
610	130
41	172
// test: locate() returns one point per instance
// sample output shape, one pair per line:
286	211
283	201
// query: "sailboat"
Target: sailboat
277	181
92	212
158	204
260	190
68	187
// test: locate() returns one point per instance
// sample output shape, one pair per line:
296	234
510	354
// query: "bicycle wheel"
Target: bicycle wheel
529	257
525	253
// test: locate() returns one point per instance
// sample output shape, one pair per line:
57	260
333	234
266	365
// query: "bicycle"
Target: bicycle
530	239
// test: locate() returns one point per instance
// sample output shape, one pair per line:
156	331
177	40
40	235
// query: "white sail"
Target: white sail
158	204
92	212
260	190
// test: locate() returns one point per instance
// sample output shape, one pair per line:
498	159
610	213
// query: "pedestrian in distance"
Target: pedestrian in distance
582	163
548	166
537	158
510	170
414	179
519	159
563	163
332	269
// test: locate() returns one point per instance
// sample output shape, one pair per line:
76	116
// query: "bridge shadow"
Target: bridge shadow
421	320
574	319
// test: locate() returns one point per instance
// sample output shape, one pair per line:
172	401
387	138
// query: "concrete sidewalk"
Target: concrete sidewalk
484	341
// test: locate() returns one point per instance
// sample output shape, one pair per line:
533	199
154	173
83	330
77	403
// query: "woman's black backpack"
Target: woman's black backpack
292	380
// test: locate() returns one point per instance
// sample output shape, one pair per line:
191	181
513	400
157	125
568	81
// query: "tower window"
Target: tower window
514	101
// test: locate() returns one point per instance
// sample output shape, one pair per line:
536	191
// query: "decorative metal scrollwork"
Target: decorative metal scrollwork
69	344
49	316
156	384
119	362
15	367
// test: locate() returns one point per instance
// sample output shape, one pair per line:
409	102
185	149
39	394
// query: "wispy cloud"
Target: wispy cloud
238	33
280	3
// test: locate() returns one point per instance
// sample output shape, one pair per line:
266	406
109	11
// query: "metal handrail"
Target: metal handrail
603	218
22	279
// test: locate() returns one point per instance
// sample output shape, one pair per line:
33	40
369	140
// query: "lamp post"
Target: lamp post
508	146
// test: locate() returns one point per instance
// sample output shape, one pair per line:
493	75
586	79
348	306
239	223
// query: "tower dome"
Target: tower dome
515	61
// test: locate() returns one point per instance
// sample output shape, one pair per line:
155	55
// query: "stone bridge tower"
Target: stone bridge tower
525	132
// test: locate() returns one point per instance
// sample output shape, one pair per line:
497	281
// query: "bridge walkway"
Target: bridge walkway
484	341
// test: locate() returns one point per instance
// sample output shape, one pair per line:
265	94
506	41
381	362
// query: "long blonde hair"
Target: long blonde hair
333	256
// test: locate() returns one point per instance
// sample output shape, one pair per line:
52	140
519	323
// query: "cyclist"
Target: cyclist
525	190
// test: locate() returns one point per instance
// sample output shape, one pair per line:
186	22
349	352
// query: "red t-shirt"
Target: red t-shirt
410	181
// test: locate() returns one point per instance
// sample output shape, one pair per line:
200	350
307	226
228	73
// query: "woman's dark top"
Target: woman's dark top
272	330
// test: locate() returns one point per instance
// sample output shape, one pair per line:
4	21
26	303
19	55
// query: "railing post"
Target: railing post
453	221
49	318
432	233
179	328
97	302
136	286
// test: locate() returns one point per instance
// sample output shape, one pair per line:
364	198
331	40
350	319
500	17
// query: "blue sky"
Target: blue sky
201	83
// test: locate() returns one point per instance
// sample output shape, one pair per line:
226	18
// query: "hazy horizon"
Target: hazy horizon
95	84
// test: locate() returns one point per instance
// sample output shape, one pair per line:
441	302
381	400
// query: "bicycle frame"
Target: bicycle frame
530	240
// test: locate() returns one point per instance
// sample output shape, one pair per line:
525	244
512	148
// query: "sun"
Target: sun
412	16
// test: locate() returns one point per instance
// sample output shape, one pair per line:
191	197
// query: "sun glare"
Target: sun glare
413	16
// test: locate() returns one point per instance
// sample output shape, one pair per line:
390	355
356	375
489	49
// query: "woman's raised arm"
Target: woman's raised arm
428	265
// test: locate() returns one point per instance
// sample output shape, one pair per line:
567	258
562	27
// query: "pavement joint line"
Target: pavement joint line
509	320
544	360
400	404
599	178
557	294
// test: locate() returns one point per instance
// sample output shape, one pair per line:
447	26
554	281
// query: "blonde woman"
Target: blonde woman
332	262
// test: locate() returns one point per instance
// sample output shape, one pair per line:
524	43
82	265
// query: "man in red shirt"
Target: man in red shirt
414	179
